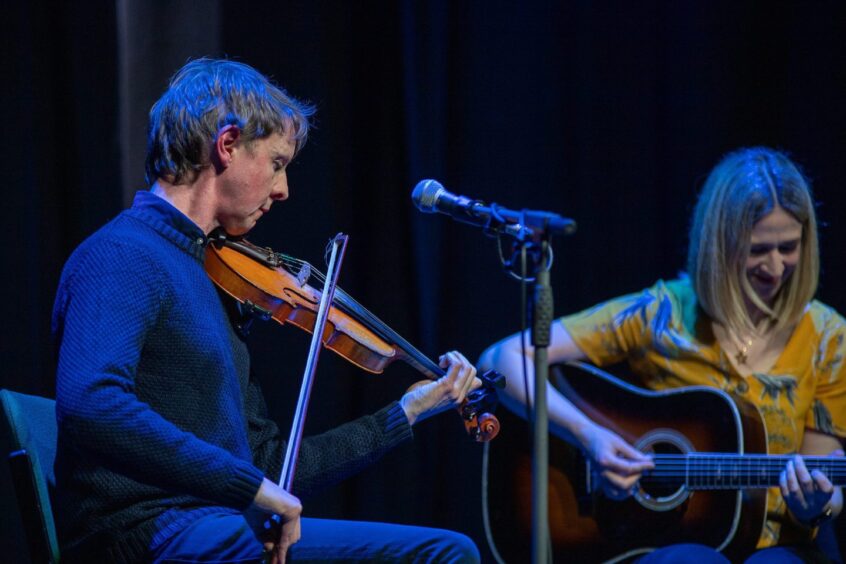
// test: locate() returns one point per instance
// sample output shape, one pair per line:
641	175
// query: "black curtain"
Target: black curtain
608	112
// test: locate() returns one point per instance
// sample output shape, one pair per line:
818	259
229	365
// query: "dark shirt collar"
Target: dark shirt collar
171	223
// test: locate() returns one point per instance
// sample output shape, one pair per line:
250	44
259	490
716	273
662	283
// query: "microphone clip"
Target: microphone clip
496	224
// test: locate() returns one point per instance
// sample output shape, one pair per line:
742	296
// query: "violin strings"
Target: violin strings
375	324
295	266
290	261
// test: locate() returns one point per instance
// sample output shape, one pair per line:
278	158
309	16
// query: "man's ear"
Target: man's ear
224	146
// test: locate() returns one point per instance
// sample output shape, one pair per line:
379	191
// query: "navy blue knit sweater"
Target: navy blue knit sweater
159	419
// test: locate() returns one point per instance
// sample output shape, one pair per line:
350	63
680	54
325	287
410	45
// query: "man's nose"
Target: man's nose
280	190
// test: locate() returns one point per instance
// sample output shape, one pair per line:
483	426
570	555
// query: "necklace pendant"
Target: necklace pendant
741	357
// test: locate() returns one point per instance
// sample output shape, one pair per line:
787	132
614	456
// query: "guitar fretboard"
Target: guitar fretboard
714	471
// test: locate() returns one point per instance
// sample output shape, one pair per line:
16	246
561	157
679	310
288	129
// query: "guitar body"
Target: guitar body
585	526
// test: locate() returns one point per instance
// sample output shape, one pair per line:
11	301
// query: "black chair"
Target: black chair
31	429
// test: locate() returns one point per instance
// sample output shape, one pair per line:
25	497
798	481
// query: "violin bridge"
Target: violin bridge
304	274
271	258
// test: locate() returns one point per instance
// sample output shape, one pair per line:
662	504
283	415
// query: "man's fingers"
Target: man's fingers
470	384
461	374
289	533
297	532
446	363
281	551
469	381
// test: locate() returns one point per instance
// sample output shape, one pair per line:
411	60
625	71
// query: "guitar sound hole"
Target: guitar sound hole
658	487
663	490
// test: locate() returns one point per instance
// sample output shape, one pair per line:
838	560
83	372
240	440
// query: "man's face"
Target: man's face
255	177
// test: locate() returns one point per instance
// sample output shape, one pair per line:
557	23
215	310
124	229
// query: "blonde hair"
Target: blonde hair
744	187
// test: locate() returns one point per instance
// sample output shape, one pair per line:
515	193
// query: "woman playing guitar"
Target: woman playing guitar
743	320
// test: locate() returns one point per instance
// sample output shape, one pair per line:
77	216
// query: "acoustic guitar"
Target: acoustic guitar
708	485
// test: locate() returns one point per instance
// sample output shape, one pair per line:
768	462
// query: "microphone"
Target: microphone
430	196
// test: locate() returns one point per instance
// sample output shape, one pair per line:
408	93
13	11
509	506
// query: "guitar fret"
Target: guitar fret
735	471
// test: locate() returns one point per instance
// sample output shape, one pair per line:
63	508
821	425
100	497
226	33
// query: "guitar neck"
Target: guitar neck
715	471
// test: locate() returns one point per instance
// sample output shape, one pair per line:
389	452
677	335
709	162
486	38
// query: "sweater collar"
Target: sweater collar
169	222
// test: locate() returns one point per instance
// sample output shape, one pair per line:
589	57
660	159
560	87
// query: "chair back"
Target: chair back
30	423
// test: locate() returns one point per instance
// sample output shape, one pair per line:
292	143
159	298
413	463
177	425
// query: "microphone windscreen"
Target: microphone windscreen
425	195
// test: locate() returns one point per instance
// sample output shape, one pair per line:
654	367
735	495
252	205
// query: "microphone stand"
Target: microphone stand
536	238
542	314
530	229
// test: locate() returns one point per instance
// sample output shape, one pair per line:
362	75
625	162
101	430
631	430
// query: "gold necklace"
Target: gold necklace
743	346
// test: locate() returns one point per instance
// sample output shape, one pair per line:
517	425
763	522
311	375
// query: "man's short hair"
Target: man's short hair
206	95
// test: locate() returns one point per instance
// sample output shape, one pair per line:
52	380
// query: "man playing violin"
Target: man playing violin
165	452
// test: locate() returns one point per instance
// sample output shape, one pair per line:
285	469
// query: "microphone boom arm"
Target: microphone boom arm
430	197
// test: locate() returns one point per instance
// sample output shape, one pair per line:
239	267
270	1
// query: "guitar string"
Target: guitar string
728	468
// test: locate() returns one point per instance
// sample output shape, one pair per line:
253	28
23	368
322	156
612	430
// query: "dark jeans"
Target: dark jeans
700	554
224	537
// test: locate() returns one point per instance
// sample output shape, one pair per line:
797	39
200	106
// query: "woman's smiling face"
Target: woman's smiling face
774	250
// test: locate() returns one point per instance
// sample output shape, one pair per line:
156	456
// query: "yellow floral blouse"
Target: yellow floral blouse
668	343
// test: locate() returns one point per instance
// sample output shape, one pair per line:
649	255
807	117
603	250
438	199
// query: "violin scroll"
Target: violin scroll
477	410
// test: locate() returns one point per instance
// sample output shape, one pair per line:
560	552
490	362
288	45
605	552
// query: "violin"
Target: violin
273	285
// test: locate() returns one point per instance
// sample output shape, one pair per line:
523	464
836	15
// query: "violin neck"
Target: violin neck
424	364
414	357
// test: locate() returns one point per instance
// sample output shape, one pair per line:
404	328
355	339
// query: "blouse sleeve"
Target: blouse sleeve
828	414
615	330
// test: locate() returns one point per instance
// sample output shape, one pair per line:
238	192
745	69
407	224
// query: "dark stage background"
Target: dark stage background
609	112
